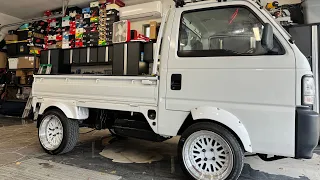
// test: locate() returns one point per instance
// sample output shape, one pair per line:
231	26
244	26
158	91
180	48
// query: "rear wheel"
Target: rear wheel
57	133
210	151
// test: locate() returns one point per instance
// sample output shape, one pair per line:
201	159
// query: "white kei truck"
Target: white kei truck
226	77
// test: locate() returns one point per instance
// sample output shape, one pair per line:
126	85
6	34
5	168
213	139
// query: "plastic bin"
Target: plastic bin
23	48
24	35
13	63
311	11
12	49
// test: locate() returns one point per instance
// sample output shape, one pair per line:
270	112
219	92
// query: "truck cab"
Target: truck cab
229	80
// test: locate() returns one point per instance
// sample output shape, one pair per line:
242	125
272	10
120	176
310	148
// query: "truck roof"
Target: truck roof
181	3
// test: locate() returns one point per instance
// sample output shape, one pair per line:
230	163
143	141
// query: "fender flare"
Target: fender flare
226	118
70	110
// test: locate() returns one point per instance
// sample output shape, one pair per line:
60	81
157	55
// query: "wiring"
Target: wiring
88	131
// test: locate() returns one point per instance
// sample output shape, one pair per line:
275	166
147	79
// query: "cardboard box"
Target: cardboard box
11	37
65	45
94	11
153	30
20	73
113	6
102	1
3	60
29	73
59	44
23	80
86	10
27	62
35	50
94	4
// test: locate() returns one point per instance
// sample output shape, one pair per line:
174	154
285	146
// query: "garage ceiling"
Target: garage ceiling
25	9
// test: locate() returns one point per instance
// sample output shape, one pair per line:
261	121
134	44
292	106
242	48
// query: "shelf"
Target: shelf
23	69
19	85
92	64
26	55
16	100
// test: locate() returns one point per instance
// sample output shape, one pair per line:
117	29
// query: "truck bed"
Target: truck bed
86	89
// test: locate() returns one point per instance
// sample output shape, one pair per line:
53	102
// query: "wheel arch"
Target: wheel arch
221	117
69	109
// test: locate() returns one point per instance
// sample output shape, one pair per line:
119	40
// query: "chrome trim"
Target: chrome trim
315	63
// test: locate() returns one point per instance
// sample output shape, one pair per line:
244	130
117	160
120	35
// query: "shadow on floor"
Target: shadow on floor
6	121
88	156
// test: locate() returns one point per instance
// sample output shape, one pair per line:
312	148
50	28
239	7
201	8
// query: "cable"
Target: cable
88	131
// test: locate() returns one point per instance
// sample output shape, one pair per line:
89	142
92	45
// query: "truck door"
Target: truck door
217	59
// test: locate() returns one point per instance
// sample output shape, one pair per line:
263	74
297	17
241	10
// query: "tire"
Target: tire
63	132
200	153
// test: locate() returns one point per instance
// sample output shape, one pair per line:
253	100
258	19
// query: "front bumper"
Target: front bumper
307	132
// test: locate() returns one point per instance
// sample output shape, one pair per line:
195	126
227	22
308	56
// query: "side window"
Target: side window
229	31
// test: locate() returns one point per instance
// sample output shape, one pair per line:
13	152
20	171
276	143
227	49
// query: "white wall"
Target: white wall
138	25
6	19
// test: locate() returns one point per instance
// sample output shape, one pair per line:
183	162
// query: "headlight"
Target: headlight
308	90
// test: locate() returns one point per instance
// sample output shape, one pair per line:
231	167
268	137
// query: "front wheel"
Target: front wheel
210	151
57	133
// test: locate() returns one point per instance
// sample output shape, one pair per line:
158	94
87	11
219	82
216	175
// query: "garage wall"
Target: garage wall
138	25
6	19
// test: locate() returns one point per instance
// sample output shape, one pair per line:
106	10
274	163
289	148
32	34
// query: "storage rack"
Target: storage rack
64	7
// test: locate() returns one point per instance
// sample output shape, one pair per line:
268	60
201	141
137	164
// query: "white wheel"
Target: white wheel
57	133
51	132
209	151
207	155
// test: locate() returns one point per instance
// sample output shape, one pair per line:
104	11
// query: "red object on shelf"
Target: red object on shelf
72	31
73	24
47	13
78	43
59	37
142	37
117	2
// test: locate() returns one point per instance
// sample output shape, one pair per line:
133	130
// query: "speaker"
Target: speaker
110	53
66	56
44	55
57	61
93	55
102	54
118	59
83	55
76	56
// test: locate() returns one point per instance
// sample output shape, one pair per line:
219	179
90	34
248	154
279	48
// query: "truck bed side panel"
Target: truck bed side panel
111	89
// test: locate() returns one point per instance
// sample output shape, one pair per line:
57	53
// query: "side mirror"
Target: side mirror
267	37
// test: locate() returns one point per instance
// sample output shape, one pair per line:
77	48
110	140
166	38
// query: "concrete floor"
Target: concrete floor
99	156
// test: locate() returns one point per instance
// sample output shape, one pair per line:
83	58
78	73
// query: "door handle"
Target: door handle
176	82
